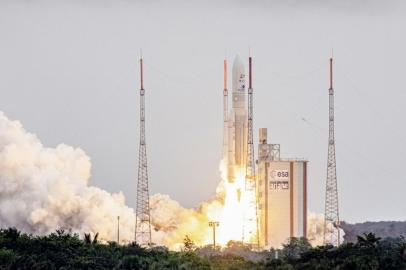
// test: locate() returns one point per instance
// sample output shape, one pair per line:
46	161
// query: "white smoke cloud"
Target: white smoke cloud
315	229
43	189
172	222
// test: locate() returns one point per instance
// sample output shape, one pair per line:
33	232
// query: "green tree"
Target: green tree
7	257
295	247
368	240
134	262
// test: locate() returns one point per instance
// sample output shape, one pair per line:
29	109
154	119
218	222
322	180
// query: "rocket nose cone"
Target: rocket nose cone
238	64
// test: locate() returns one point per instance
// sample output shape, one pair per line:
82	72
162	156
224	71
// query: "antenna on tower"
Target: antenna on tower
225	75
250	224
250	73
143	218
142	74
331	213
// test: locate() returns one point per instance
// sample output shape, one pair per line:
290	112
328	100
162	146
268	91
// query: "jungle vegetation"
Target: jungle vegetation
63	250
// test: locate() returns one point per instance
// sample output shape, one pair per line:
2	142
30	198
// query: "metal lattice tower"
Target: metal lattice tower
250	225
143	218
331	216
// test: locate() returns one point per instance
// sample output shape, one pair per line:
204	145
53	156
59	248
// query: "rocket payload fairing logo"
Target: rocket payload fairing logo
241	81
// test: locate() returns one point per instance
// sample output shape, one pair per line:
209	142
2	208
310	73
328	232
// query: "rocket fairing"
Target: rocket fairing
237	121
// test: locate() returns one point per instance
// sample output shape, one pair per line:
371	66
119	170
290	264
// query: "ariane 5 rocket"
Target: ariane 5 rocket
235	120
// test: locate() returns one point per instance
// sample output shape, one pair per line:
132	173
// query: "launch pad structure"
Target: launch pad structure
274	196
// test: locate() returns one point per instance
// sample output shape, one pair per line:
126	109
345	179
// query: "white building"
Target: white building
282	195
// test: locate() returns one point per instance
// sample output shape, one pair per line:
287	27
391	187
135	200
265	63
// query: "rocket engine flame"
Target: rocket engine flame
231	213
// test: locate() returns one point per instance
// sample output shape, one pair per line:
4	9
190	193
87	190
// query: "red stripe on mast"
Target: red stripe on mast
142	74
250	72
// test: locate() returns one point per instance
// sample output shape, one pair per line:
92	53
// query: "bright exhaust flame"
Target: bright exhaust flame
231	218
172	222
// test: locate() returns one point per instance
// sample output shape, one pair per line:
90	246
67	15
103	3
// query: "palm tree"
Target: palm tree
368	240
88	239
94	242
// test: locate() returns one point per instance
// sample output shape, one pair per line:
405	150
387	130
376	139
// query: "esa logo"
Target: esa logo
279	174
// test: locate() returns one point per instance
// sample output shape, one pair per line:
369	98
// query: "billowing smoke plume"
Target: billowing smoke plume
315	229
44	189
172	222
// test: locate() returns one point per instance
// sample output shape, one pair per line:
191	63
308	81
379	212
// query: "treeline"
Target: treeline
63	250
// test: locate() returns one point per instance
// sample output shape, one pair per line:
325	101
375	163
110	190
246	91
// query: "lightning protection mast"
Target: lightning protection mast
331	216
143	219
250	224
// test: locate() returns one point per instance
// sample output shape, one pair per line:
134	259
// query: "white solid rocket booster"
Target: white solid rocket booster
237	132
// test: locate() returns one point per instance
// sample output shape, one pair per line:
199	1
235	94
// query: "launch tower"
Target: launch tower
331	217
143	218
